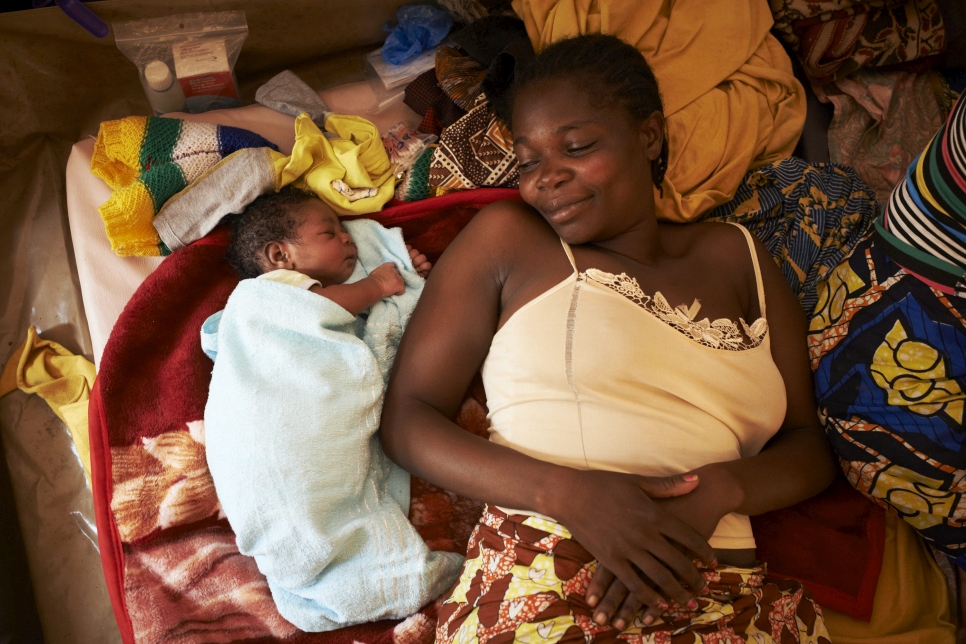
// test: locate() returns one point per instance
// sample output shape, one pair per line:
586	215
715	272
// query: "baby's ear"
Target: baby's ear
275	255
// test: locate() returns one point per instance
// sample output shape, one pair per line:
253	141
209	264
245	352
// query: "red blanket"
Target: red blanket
169	557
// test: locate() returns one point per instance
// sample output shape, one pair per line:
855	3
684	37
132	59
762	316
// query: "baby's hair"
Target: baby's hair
269	218
612	72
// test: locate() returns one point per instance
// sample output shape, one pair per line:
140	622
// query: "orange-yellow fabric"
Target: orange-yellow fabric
731	101
911	600
61	378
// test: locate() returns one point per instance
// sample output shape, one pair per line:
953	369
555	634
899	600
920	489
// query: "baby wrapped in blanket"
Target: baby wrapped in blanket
293	412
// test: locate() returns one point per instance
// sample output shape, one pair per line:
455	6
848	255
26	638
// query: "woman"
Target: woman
588	393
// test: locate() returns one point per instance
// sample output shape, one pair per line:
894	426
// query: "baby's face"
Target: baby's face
325	250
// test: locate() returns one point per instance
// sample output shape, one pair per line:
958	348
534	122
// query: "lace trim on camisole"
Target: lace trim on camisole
719	334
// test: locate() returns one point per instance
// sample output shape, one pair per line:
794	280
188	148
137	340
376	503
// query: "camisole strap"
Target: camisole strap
754	260
570	254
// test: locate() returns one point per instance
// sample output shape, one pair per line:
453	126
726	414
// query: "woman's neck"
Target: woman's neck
640	244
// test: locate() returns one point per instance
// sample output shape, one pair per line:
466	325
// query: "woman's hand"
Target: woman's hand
701	507
634	539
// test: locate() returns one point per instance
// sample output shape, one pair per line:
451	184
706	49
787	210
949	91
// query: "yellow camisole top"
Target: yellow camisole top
596	374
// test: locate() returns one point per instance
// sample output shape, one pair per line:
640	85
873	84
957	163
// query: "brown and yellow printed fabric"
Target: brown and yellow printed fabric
475	152
525	579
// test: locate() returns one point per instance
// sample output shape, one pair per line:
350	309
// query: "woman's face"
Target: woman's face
586	169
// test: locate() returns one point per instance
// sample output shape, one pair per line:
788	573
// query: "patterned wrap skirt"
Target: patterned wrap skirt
525	579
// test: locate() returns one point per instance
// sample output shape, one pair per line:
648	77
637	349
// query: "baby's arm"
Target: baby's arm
382	282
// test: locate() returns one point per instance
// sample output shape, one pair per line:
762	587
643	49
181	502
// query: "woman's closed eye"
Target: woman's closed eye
528	165
578	149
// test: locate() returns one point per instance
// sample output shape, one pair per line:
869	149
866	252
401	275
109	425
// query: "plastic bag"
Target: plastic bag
187	61
420	27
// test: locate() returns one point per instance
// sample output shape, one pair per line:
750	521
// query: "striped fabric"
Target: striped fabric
923	226
146	161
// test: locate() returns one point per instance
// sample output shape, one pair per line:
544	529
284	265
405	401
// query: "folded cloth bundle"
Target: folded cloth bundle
883	120
475	152
836	37
354	156
730	98
290	426
146	160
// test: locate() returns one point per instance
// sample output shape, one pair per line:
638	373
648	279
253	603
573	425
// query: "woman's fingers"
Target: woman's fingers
665	487
691	541
598	585
611	602
628	609
635	585
662	579
682	566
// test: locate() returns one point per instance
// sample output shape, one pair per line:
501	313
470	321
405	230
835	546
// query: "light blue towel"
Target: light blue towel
291	433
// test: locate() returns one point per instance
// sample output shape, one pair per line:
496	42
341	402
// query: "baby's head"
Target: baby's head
291	229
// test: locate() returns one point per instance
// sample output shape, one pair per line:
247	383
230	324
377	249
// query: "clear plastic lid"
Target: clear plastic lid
158	75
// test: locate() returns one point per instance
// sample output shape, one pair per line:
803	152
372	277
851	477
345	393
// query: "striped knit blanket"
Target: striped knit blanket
147	160
923	227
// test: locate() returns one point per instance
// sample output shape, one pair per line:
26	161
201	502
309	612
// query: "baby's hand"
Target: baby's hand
420	263
389	280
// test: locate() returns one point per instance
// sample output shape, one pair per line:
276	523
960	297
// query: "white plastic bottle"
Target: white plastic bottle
164	92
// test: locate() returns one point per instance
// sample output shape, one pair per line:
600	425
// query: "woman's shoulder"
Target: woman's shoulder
510	226
510	216
713	242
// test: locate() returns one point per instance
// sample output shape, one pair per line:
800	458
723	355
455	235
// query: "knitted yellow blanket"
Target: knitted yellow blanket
146	160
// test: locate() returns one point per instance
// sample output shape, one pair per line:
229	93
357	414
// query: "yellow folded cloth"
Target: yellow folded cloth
911	600
62	379
356	158
731	101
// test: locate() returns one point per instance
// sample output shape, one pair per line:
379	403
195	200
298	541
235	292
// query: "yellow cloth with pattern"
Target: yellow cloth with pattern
731	101
62	379
355	157
524	580
911	600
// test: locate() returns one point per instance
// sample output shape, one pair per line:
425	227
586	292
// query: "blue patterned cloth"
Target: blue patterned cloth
889	354
809	217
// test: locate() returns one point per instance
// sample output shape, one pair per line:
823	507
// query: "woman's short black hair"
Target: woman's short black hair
614	73
269	218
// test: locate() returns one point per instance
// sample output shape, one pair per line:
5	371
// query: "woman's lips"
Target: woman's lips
560	214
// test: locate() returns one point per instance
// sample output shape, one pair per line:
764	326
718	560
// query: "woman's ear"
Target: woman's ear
652	131
276	255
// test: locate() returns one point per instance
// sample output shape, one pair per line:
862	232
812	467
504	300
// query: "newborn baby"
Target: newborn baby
293	412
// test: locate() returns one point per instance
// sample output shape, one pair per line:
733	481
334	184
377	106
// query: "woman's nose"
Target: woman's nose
552	174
